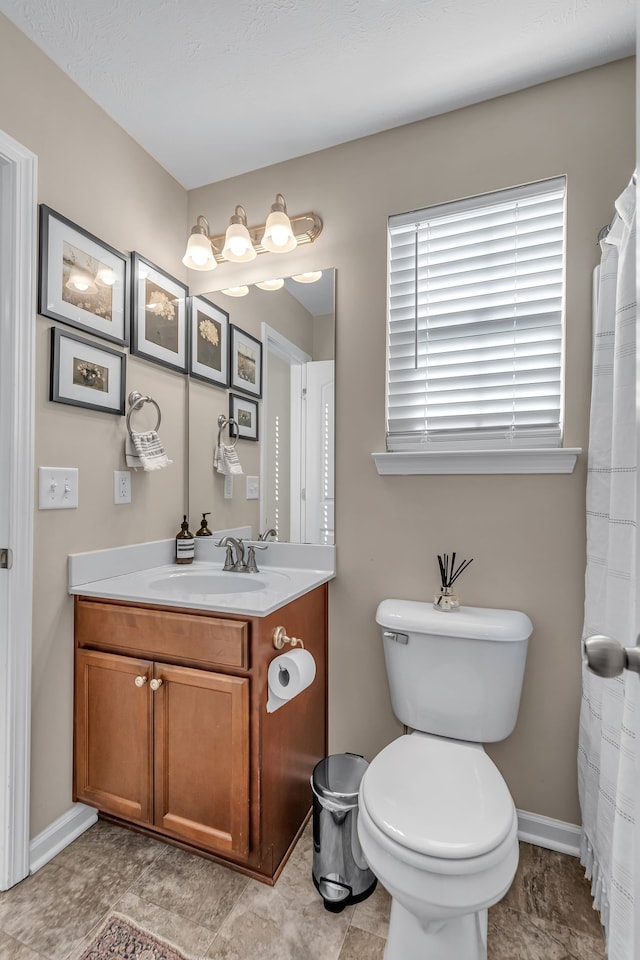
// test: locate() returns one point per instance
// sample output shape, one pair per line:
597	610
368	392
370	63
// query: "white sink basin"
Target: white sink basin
189	585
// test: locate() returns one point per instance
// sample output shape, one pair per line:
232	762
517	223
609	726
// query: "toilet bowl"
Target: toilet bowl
437	823
439	829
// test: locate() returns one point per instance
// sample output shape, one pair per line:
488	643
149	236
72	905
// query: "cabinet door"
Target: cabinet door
113	734
202	757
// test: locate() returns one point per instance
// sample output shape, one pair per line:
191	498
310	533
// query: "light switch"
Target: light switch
57	488
253	488
228	487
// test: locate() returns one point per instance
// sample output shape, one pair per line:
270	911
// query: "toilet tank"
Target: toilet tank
456	674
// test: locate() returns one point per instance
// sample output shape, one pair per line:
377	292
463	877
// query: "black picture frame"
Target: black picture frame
82	371
245	362
209	353
159	331
245	412
98	301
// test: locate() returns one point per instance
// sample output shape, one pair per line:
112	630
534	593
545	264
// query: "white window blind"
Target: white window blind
476	317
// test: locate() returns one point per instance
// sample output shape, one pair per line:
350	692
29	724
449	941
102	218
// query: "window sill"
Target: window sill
411	463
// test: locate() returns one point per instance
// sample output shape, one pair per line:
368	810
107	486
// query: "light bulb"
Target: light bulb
199	252
237	243
270	284
278	234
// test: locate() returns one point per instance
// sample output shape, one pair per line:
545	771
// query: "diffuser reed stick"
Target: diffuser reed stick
446	599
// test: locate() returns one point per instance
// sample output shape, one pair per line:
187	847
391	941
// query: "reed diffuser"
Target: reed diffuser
445	599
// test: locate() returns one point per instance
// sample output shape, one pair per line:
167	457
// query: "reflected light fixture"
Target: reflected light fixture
270	284
105	277
236	291
81	281
237	243
199	252
278	234
241	243
309	277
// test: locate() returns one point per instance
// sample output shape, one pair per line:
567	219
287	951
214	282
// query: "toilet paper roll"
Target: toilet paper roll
288	675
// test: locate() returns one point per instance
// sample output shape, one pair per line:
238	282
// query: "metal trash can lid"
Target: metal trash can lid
337	778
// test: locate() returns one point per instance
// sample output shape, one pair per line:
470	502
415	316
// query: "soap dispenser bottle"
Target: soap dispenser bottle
185	544
204	529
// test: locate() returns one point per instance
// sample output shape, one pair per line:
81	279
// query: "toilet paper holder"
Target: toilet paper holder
280	638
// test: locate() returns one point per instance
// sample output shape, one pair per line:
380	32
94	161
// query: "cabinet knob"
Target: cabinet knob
155	684
140	681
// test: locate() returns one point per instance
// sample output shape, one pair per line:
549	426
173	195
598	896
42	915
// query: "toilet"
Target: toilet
436	821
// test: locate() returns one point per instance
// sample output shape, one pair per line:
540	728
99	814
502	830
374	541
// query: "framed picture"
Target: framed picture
159	314
208	342
86	374
82	281
244	411
246	362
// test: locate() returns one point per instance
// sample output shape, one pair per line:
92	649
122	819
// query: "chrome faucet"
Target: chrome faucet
231	543
268	533
238	564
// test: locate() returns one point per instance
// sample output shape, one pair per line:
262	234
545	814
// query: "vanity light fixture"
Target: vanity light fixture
199	252
309	277
270	284
81	281
236	291
278	234
241	243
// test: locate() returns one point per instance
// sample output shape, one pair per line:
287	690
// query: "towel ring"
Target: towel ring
137	400
226	422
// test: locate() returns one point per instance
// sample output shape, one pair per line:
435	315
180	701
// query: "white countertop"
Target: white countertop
146	573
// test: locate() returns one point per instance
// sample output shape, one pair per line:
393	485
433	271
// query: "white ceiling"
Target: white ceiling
215	88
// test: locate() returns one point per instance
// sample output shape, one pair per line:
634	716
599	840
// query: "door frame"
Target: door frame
18	194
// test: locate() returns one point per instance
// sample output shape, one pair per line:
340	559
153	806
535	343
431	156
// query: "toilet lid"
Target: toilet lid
442	798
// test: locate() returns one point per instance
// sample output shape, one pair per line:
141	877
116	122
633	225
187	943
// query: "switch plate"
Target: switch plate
228	487
253	488
57	488
122	486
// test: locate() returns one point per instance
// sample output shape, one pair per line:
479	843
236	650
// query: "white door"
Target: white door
18	168
319	496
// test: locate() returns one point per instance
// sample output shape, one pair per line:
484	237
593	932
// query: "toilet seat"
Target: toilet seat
438	798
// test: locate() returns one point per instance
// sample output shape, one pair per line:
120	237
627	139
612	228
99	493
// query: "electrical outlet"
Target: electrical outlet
253	488
228	487
57	488
122	486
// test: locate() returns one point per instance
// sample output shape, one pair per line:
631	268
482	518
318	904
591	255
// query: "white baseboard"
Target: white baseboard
60	834
549	833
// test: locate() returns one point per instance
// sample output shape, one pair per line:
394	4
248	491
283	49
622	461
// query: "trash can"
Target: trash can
340	872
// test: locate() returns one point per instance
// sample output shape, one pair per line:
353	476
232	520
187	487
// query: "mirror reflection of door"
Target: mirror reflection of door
297	419
312	493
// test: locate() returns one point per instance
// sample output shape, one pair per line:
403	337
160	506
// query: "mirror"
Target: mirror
294	451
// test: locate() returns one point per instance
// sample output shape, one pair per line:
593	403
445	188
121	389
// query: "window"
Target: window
476	317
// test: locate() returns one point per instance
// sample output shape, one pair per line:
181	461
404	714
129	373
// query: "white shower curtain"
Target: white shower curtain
609	746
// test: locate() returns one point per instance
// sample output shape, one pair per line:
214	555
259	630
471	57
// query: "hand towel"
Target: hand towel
145	450
225	460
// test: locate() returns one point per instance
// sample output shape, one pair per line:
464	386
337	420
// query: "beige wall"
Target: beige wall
93	173
527	534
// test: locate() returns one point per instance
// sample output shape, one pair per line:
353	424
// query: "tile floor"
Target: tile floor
211	912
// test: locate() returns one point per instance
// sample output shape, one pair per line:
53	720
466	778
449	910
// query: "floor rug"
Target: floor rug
120	939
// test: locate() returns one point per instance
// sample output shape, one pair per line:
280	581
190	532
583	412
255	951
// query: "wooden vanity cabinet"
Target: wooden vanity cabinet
171	731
